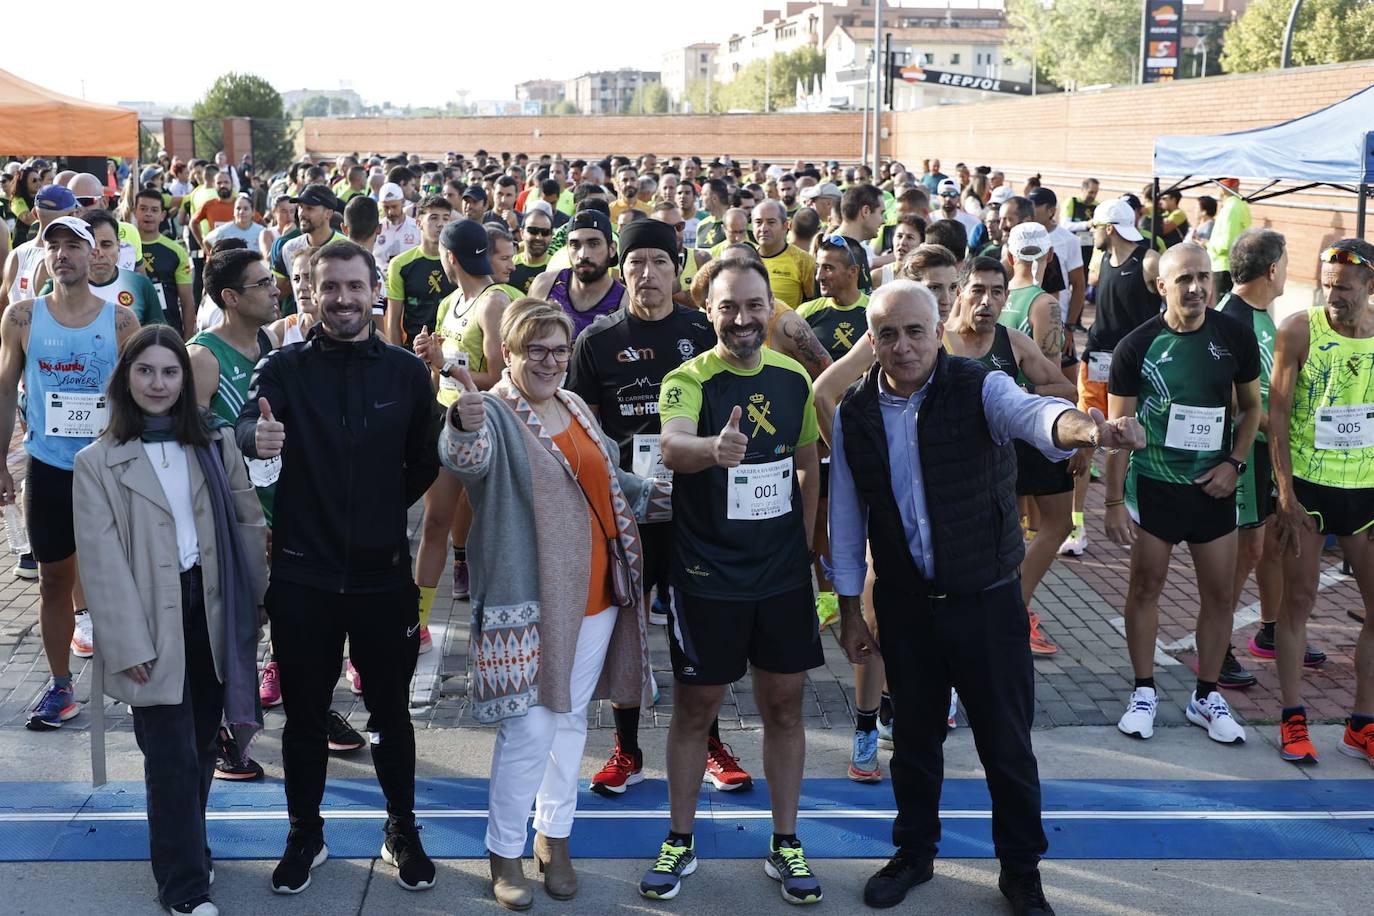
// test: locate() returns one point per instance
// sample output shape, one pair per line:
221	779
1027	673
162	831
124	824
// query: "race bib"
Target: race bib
759	491
1345	427
263	472
1195	429
1099	366
647	458
447	383
77	415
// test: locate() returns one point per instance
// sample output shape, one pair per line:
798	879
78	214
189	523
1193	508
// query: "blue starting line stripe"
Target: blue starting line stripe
1085	819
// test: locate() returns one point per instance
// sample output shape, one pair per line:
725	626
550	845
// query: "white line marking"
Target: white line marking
1251	612
1162	658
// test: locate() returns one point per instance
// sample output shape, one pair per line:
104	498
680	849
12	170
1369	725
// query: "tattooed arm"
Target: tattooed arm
794	337
126	323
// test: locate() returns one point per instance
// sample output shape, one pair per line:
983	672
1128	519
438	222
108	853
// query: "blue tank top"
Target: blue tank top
64	360
560	294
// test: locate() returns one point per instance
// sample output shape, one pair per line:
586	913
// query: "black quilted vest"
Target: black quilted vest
970	483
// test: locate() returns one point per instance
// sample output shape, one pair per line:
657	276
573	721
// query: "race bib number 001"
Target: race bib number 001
1099	366
647	458
1345	427
759	491
1195	429
78	415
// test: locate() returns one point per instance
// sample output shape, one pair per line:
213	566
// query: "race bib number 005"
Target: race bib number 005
759	491
1345	427
1195	429
79	415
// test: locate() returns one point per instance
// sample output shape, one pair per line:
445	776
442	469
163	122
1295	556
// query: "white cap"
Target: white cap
1120	215
1000	195
390	191
824	189
74	224
540	206
775	172
1028	242
948	186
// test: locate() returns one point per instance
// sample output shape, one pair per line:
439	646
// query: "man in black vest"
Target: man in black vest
923	469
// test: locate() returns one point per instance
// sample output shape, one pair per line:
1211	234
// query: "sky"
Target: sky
544	40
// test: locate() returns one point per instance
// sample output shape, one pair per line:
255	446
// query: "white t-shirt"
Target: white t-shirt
232	231
967	220
176	485
394	239
1070	253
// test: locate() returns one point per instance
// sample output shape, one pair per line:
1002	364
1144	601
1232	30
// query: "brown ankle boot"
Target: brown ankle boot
554	864
508	883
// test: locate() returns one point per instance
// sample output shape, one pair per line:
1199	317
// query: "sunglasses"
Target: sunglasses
839	243
532	230
1342	256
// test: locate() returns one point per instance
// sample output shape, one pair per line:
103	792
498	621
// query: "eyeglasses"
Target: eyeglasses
1343	256
534	230
264	283
839	243
537	353
86	201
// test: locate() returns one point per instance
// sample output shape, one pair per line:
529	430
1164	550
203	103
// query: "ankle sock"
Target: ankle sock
1358	722
1267	628
1077	519
460	554
63	681
785	839
1145	682
1204	689
684	839
1290	711
866	720
426	603
627	728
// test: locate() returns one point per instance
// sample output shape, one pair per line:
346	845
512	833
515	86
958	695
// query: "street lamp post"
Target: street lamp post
1288	36
878	64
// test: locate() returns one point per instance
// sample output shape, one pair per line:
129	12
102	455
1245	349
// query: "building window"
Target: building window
928	57
954	58
705	57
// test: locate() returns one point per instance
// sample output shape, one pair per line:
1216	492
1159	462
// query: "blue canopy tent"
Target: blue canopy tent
1331	147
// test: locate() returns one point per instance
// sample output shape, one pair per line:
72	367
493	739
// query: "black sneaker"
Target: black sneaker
342	736
231	763
200	906
402	848
1025	894
902	872
1233	674
305	851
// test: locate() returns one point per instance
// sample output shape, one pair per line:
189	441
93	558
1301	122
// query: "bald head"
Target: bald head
84	184
1185	279
1184	256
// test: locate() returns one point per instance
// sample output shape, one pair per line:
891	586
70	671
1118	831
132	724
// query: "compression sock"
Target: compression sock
426	603
1145	682
627	728
866	720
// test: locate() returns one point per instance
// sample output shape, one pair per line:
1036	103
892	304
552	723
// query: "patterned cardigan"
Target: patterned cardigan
530	558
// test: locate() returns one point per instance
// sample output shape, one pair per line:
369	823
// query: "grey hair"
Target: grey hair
903	289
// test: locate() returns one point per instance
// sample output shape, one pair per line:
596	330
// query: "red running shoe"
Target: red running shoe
620	772
722	768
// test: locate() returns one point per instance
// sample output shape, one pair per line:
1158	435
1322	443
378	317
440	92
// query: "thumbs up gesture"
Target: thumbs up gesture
730	446
426	347
468	412
270	434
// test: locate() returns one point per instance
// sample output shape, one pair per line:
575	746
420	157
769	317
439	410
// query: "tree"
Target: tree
1327	32
243	95
564	107
1077	42
649	98
317	106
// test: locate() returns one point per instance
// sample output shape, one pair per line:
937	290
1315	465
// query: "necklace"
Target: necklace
164	454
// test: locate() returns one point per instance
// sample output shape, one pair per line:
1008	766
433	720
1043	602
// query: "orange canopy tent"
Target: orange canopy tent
39	122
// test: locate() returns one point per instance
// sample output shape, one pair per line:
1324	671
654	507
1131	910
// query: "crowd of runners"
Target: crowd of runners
745	401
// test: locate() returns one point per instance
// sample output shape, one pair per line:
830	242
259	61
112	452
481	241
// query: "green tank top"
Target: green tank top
1016	313
1000	356
1332	423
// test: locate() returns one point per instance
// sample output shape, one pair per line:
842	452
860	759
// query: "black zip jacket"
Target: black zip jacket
359	451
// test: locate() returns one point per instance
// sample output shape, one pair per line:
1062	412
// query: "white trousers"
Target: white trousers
538	755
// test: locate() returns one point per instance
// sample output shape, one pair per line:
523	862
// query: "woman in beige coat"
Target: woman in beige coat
171	538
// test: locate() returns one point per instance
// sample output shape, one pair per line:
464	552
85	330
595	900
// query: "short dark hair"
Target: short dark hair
1022	206
505	181
917	197
126	417
719	188
399	175
224	270
1253	252
99	216
549	186
149	194
583	191
982	265
736	264
360	217
342	250
434	202
912	221
1208	205
594	203
925	257
951	234
858	197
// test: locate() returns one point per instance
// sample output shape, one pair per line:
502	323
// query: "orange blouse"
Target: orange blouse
585	457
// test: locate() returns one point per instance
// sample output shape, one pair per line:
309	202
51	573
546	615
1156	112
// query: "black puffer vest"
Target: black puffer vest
970	484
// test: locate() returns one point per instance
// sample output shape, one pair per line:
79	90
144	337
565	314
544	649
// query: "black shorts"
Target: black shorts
48	512
1338	511
1255	497
1178	513
657	539
713	641
1037	475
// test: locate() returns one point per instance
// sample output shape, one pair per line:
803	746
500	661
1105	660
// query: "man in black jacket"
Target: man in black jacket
354	405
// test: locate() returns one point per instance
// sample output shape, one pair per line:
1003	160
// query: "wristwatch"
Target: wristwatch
1240	466
447	370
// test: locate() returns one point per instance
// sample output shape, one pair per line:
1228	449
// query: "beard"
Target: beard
739	348
588	272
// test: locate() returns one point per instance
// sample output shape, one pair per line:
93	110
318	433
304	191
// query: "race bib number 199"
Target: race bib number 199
79	415
1345	427
1195	429
759	491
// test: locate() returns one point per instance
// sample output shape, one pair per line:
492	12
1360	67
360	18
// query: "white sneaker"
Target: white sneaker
1139	719
1214	715
83	637
953	708
1075	543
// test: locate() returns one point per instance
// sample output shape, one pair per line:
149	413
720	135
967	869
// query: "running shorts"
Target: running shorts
713	642
1178	513
1337	510
48	512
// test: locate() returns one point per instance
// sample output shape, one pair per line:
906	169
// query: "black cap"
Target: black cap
316	195
475	192
648	233
595	219
468	241
1043	197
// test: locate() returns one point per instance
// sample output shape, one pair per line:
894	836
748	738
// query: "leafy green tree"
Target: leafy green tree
317	106
1327	32
243	95
650	98
1077	42
564	107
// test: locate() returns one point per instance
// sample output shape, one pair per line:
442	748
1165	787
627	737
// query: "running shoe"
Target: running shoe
1295	743
722	768
1040	644
1262	646
231	763
787	865
305	852
83	637
1214	715
1358	743
827	608
1076	543
950	721
657	616
1025	893
355	680
461	588
1139	719
57	705
620	772
342	736
1233	674
26	567
863	759
200	906
269	692
426	641
675	862
402	849
885	734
